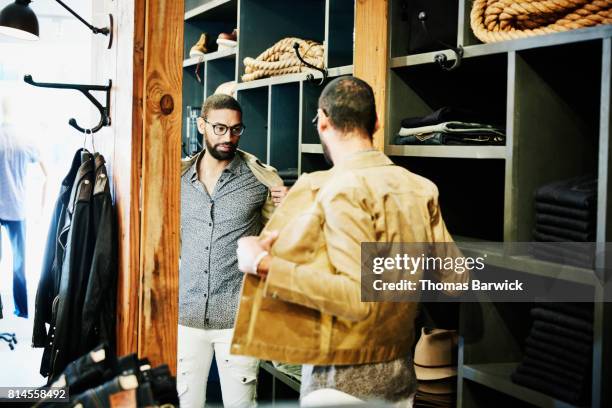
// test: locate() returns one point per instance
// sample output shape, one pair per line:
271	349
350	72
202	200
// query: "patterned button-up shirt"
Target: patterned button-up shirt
211	225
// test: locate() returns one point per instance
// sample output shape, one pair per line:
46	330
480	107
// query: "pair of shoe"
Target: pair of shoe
224	41
100	378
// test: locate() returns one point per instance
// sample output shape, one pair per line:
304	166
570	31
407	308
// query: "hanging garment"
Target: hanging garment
76	294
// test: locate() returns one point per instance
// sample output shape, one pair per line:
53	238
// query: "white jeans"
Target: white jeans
238	374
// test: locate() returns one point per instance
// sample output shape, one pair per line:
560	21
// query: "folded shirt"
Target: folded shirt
561	331
536	383
544	255
562	372
568	234
452	127
582	366
540	236
444	114
565	222
442	138
576	359
564	211
571	345
553	378
577	192
581	310
582	252
562	319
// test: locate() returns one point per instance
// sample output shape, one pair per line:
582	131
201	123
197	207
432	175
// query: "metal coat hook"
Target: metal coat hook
441	59
105	119
310	77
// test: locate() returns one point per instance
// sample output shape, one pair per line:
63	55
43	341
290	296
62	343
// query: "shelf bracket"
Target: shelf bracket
105	119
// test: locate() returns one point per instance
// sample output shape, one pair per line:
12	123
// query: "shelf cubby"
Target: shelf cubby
262	24
479	85
284	126
339	33
217	72
310	162
408	35
481	216
555	124
254	104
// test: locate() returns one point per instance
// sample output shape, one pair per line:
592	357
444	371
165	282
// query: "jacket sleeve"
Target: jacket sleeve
45	292
332	287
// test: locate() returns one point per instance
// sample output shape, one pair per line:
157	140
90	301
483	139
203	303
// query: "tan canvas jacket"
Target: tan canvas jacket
267	175
308	310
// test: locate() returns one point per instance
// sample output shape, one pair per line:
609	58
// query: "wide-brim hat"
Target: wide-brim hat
438	387
434	355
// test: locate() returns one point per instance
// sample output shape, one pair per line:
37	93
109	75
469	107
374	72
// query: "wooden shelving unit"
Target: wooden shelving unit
557	126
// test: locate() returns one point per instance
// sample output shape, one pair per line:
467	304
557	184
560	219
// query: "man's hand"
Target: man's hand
278	194
251	250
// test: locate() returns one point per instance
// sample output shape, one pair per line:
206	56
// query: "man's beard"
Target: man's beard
219	155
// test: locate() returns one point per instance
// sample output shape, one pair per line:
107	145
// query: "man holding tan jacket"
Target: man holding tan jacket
301	298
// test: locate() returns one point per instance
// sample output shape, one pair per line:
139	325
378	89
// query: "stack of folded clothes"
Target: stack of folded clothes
99	379
435	366
565	211
289	176
449	126
558	352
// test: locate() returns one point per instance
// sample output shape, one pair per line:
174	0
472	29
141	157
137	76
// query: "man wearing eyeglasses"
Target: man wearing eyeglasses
226	194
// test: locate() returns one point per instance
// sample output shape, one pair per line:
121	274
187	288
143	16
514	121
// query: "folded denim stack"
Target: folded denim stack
99	379
565	212
289	176
558	352
292	370
449	126
436	368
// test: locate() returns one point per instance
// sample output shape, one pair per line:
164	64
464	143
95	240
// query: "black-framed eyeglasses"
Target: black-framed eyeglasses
220	129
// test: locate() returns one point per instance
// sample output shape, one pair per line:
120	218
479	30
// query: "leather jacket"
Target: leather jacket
76	293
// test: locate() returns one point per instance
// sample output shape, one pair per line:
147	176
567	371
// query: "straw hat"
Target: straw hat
433	356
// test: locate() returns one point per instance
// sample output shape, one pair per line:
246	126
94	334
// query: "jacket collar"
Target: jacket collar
234	167
363	159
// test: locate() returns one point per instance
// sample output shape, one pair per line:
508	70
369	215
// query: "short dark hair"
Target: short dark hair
219	101
349	104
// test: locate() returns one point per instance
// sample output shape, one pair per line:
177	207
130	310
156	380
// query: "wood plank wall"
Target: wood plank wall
371	55
121	145
142	147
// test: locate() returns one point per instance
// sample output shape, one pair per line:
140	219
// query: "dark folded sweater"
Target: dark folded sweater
559	221
571	345
562	319
563	381
561	372
581	310
561	331
576	359
565	211
445	114
559	360
546	387
577	192
567	234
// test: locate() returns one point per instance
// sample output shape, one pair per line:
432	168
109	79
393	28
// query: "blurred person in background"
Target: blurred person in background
16	152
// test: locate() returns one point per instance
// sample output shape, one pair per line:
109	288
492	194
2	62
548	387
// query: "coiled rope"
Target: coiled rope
280	59
499	20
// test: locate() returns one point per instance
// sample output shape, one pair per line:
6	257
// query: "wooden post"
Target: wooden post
371	58
160	184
